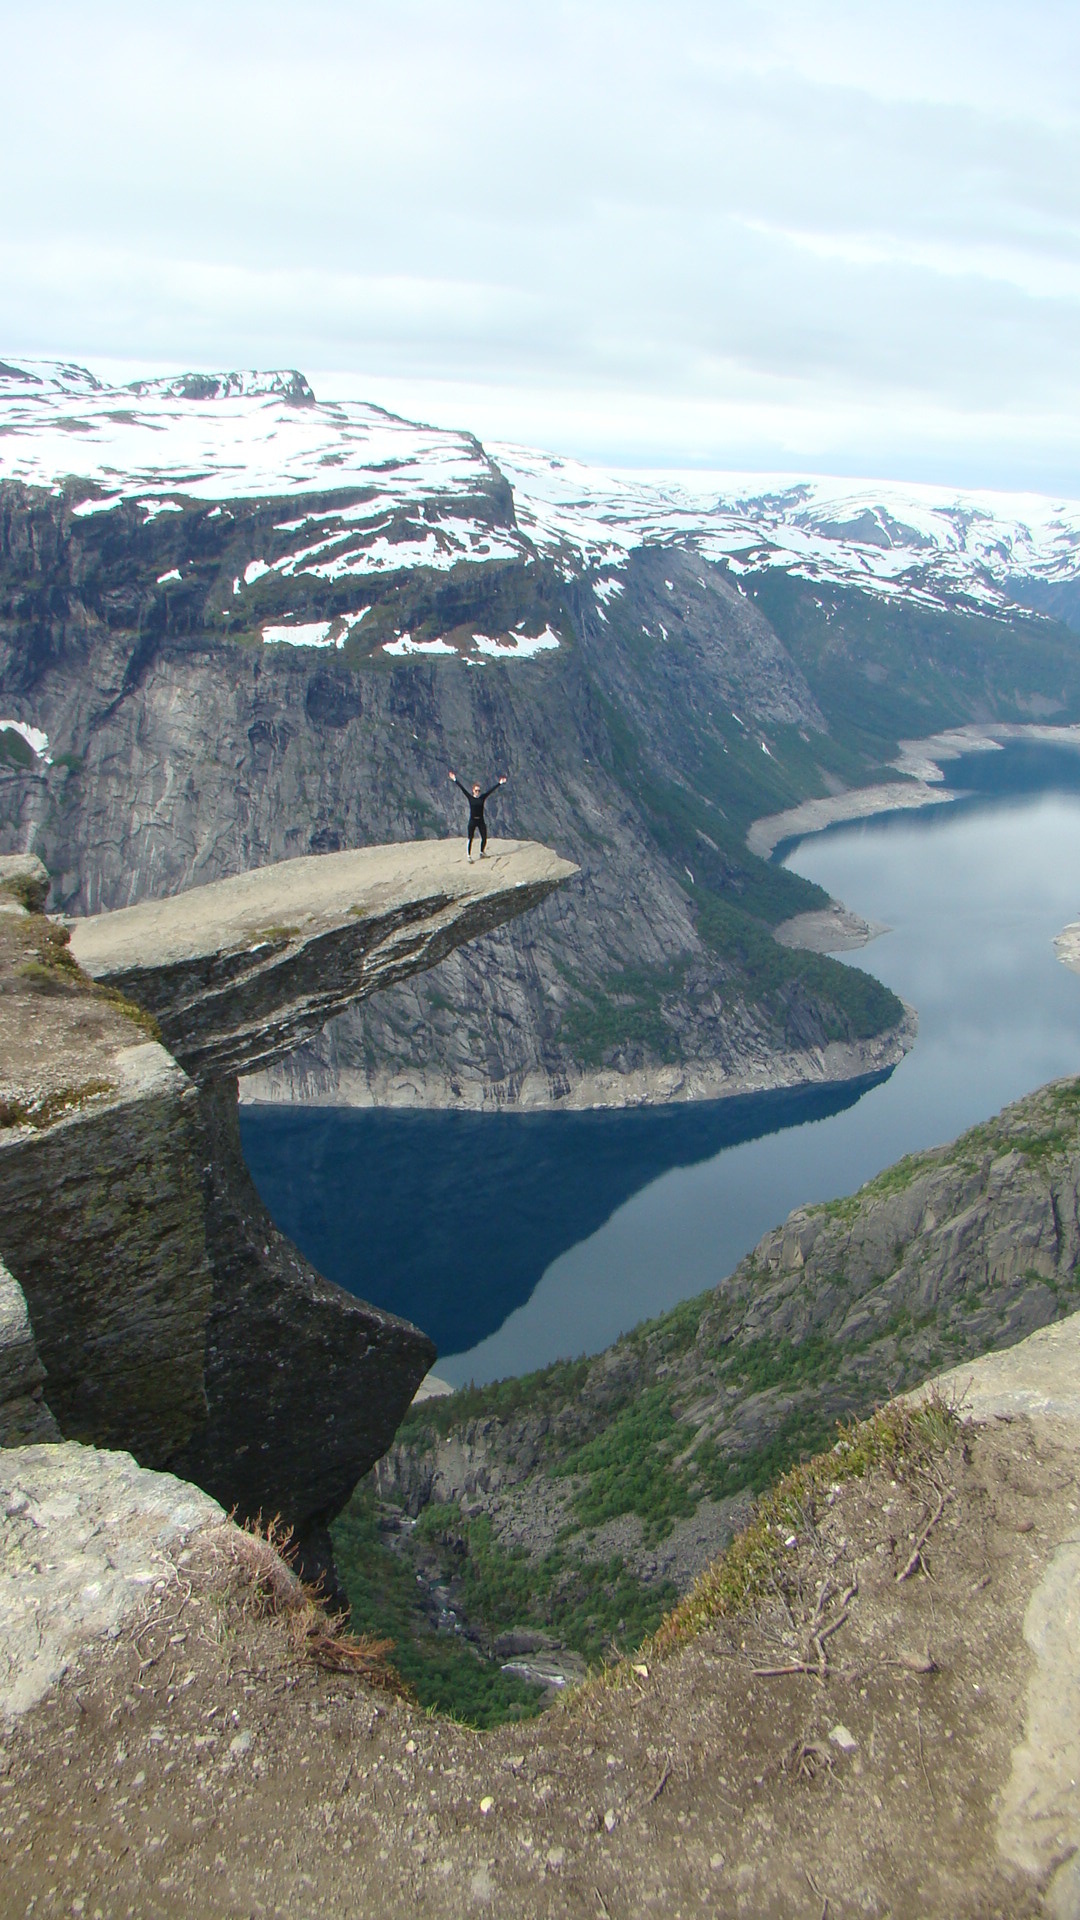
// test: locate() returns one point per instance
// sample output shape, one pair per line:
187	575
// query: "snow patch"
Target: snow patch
517	646
406	645
36	740
88	507
254	571
606	589
315	634
173	574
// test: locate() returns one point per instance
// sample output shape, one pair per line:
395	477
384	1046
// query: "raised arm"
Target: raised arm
457	783
500	782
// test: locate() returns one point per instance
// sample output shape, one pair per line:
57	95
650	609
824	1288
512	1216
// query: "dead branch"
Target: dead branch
915	1557
665	1776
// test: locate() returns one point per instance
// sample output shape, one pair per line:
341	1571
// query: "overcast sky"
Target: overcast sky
824	236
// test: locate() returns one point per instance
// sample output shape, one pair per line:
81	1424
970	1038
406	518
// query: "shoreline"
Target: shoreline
833	929
1067	946
603	1091
922	784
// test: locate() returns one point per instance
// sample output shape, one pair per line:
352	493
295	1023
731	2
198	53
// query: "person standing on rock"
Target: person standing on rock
477	823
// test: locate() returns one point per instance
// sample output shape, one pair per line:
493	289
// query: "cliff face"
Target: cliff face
182	753
172	1319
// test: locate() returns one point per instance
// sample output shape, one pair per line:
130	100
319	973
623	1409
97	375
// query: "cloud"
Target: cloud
818	226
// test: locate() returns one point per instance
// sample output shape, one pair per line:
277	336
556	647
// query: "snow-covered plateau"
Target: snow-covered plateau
387	496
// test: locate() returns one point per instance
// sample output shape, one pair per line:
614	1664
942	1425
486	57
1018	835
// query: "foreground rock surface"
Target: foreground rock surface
86	1539
917	1775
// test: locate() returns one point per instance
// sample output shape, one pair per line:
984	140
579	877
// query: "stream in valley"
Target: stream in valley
515	1239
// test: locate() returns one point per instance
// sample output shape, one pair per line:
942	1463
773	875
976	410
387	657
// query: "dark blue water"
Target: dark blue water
516	1239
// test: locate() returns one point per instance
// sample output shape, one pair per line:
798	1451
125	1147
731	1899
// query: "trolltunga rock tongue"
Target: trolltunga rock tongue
241	970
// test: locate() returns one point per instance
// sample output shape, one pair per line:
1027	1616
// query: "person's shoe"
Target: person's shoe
469	858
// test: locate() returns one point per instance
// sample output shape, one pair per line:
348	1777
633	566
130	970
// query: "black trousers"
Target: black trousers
478	827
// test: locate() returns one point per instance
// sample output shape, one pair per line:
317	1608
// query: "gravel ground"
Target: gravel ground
202	1762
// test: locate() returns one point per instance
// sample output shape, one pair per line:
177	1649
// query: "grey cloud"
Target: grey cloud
749	204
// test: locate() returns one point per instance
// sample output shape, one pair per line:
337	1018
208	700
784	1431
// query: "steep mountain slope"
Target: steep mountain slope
236	624
568	1506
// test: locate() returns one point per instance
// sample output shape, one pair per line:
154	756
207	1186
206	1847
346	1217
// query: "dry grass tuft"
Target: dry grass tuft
252	1563
337	1651
905	1439
259	1583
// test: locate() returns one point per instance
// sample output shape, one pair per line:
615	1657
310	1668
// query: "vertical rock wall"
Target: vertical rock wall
24	1417
305	1384
101	1221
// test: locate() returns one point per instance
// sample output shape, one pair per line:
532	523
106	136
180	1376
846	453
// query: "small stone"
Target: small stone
486	1803
240	1744
610	1818
410	1746
641	1668
481	1887
514	1762
843	1738
556	1857
716	1862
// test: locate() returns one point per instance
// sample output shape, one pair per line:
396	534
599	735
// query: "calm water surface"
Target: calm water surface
517	1239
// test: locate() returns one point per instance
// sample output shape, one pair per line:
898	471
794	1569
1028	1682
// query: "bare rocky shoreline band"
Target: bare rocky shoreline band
648	1086
919	762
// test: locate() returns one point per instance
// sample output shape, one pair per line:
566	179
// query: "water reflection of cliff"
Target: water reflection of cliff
451	1219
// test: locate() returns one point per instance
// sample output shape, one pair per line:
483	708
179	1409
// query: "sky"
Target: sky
827	236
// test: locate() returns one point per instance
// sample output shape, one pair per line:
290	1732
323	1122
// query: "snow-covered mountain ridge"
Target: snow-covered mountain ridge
424	497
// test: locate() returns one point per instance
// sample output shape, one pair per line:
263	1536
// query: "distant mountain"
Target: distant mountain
237	623
266	434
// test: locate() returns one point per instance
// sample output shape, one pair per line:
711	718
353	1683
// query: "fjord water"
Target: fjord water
518	1239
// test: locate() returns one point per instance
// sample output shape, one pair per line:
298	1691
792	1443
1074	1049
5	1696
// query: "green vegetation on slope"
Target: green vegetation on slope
845	1306
851	1004
651	1013
588	1606
446	1672
885	670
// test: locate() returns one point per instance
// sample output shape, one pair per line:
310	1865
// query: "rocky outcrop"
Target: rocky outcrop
171	1317
101	1219
87	1538
238	972
24	1416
